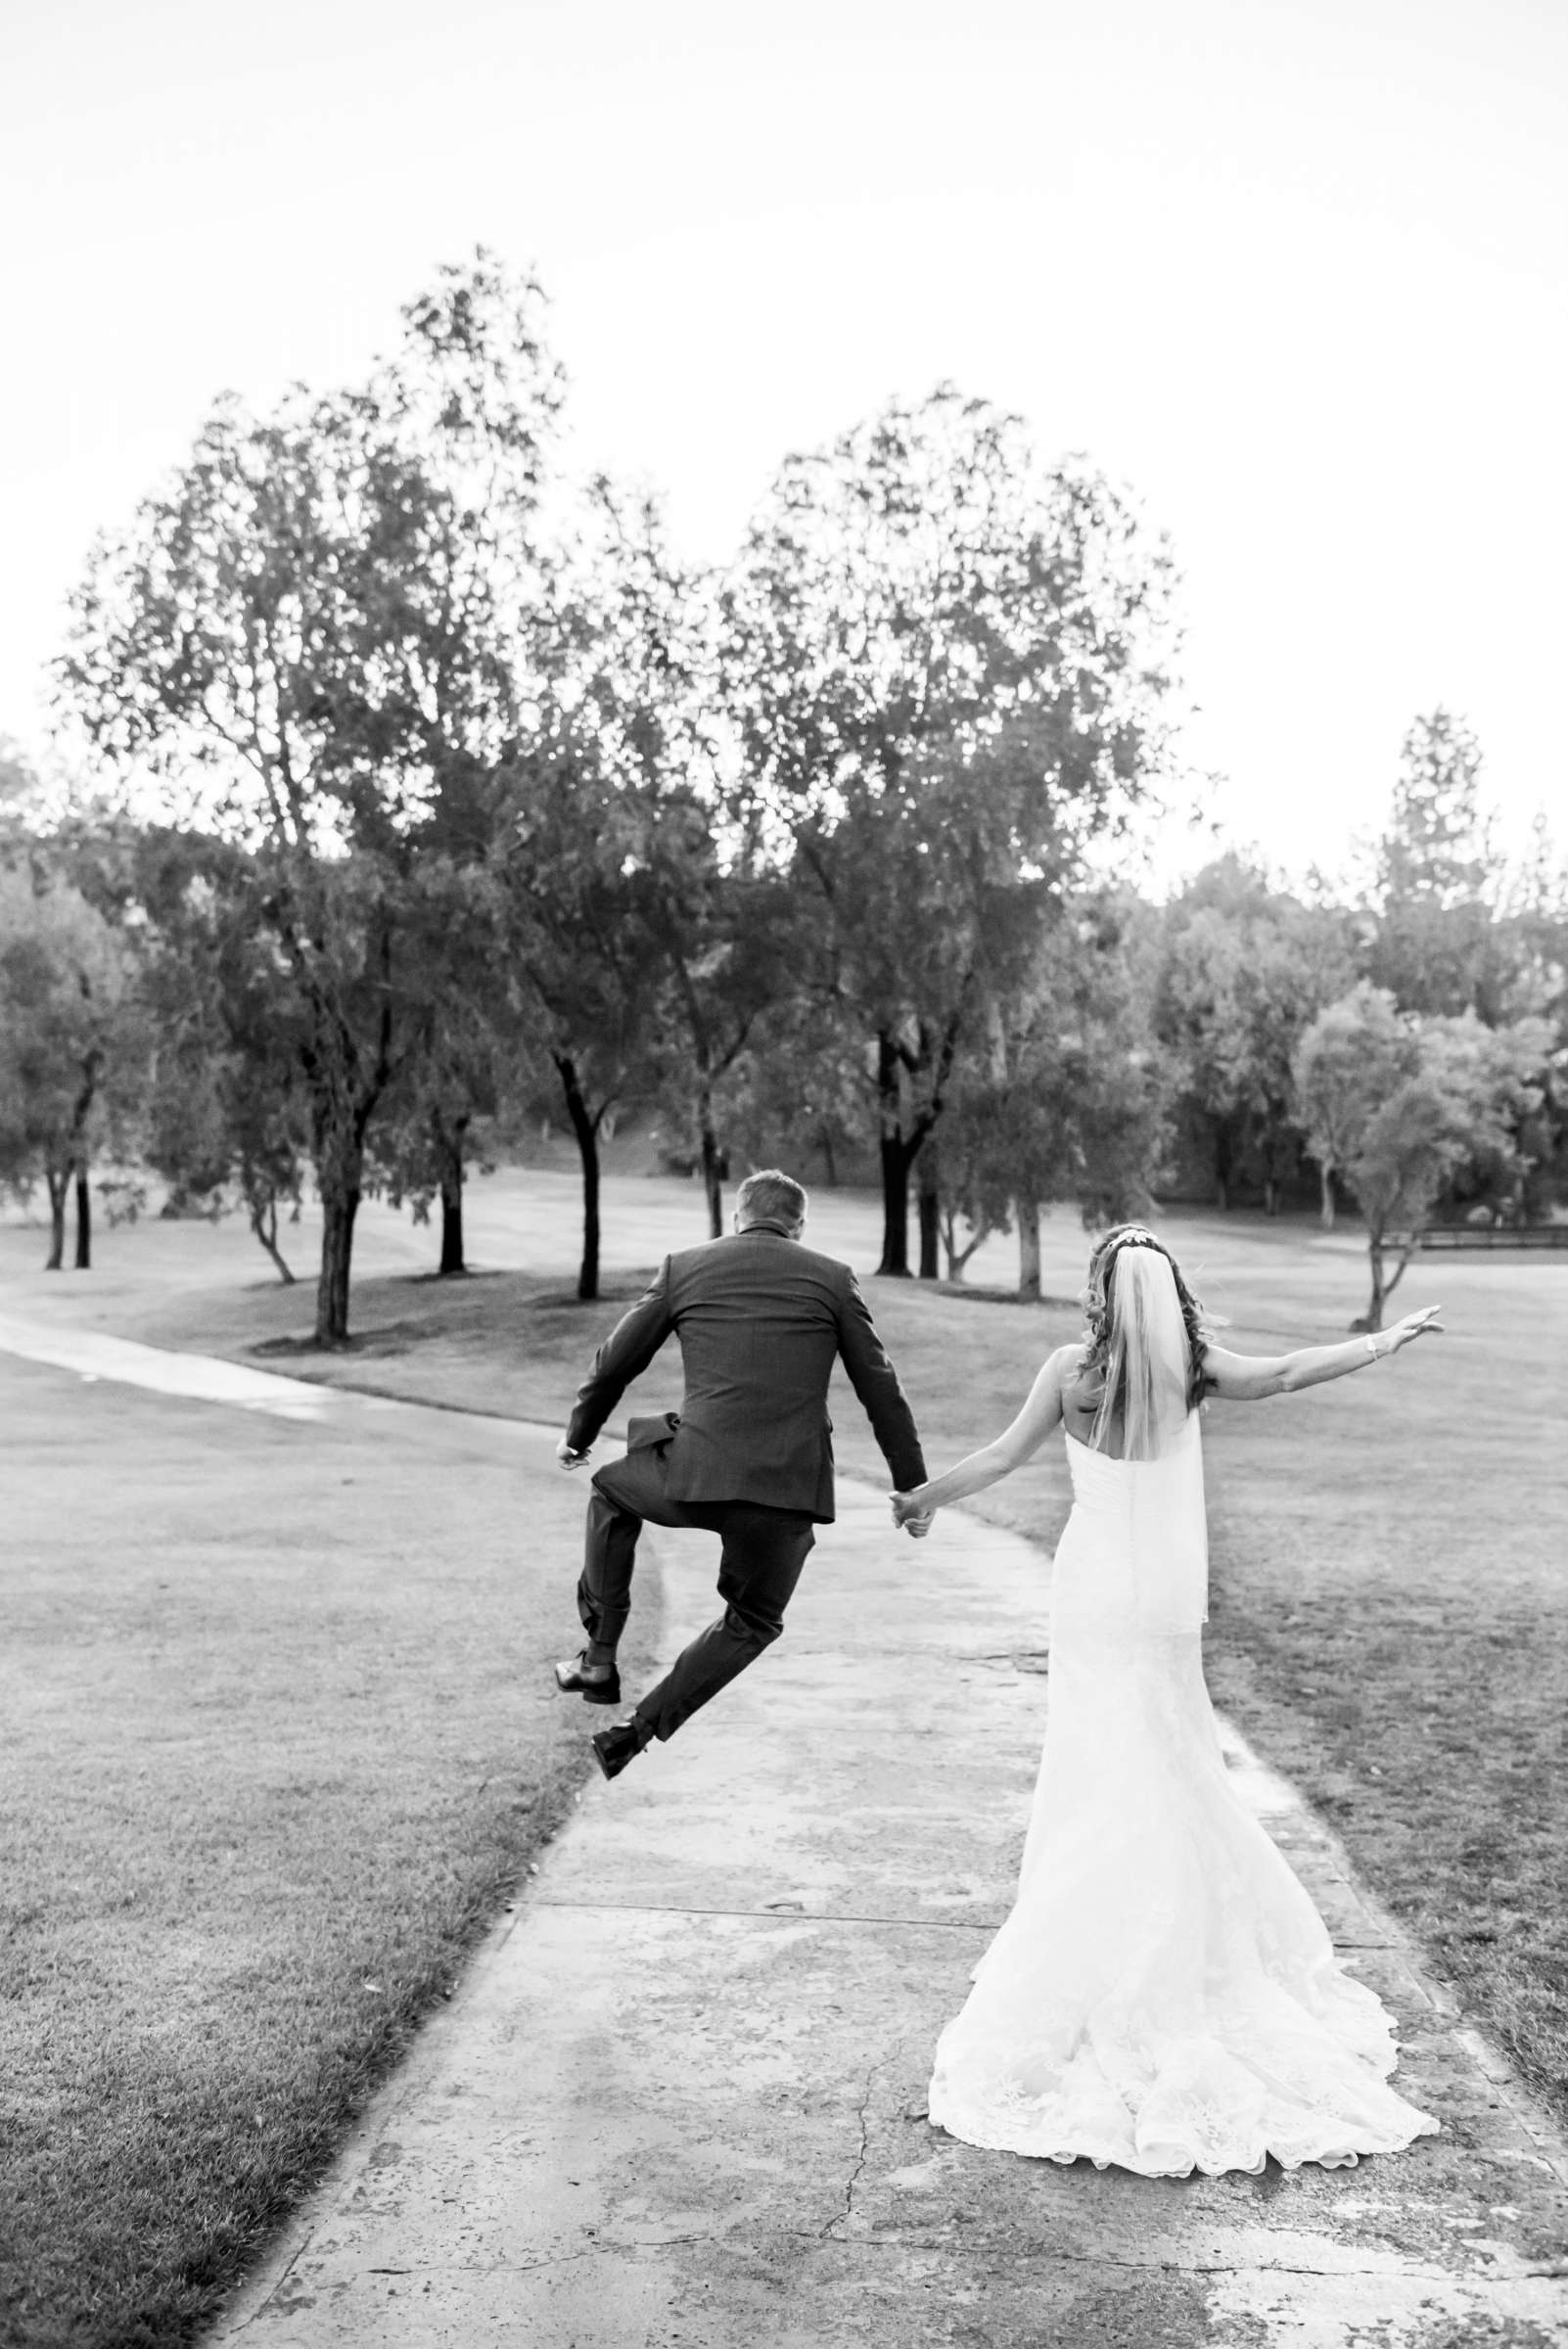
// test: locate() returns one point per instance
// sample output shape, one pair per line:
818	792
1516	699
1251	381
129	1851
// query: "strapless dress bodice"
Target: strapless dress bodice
1134	1554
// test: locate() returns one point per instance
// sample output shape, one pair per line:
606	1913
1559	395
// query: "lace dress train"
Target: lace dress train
1164	1995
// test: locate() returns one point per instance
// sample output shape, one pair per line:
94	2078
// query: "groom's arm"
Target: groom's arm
624	1355
876	1382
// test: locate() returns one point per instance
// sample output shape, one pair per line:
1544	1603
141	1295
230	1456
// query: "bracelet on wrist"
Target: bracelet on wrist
1372	1351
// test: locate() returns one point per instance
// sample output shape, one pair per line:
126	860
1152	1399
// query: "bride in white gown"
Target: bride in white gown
1164	1995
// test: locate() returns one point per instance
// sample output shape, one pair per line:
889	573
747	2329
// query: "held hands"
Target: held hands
570	1458
907	1513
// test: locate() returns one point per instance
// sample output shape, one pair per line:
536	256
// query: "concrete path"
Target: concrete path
680	2099
201	1378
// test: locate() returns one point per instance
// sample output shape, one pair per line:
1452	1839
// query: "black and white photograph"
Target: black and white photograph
784	1175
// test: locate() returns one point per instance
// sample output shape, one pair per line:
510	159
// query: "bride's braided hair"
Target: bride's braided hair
1097	1309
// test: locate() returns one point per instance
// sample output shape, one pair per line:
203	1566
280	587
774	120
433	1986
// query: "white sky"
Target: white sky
1294	270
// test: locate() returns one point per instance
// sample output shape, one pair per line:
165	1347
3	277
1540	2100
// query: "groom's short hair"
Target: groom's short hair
771	1196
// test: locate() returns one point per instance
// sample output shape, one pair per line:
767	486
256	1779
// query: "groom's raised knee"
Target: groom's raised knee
755	1631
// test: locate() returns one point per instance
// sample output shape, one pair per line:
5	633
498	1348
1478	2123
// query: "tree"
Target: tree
589	951
1534	914
1351	1057
1397	1106
227	1113
427	1143
70	1043
1436	847
465	1053
305	647
953	1209
801	1083
1066	1102
727	938
1243	969
1204	1023
944	670
650	933
719	913
603	834
1437	946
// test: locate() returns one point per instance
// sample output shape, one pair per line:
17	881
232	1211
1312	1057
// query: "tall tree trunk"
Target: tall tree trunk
58	1192
928	1200
830	1164
345	1084
1325	1195
339	1205
91	1068
895	1207
712	1177
453	1259
586	1129
710	1060
84	1219
895	1155
1027	1214
713	1184
450	1149
340	1175
900	1148
1375	1257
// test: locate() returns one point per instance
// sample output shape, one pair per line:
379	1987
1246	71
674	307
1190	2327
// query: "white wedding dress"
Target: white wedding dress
1164	1996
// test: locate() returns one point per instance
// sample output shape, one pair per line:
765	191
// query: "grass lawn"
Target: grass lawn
279	1740
221	1858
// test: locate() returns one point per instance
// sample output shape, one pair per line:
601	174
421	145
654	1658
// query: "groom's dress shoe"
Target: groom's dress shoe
616	1747
603	1690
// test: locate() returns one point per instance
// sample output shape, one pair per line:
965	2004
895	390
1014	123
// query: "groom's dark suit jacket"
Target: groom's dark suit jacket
760	1320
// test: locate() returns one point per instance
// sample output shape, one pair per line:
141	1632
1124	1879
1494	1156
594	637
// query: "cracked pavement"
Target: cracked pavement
681	2096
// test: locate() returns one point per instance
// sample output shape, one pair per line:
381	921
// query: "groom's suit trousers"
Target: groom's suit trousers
760	1564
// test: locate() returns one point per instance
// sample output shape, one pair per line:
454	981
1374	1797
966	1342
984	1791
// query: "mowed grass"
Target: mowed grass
280	1740
1390	1554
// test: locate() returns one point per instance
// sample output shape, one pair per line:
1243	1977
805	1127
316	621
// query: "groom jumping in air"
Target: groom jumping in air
760	1321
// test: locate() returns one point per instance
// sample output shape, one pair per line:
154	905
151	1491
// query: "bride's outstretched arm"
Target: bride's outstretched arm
1040	1414
1250	1377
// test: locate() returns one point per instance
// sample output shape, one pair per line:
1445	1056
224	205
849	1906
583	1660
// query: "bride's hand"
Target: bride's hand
1413	1325
909	1514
